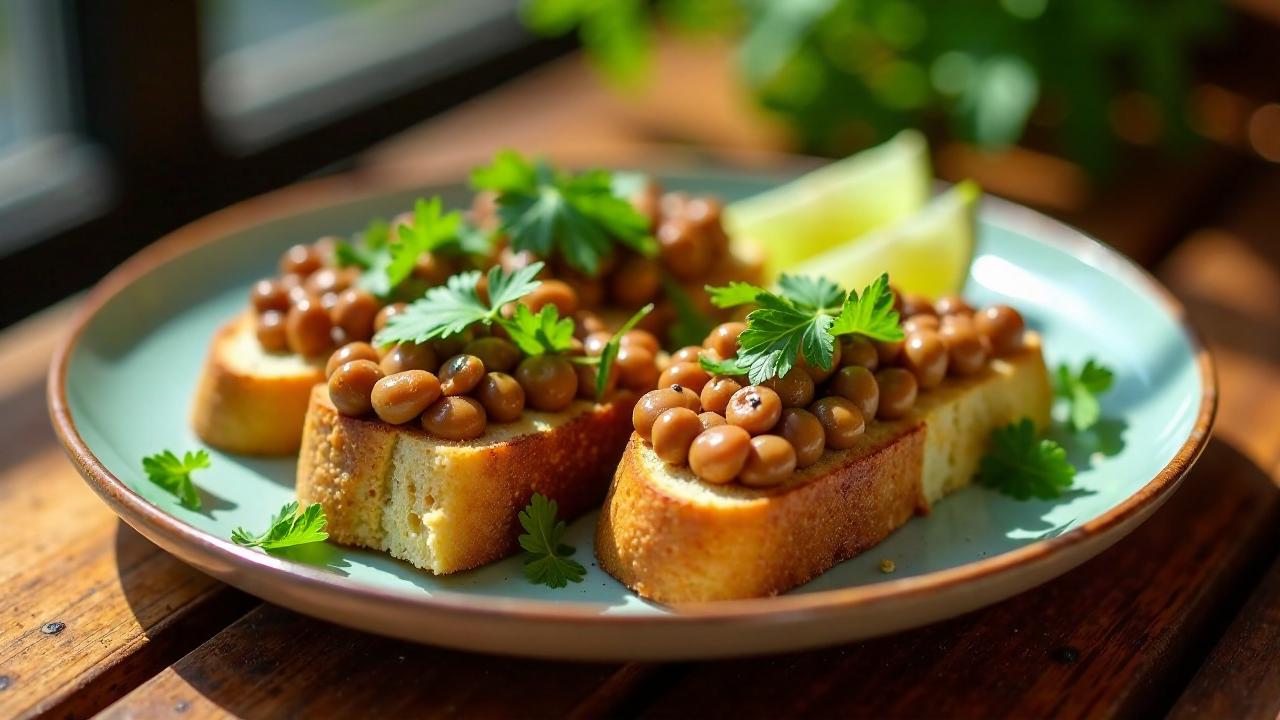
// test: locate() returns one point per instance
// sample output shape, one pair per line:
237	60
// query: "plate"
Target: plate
121	388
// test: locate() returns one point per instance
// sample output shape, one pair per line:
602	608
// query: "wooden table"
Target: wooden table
1180	618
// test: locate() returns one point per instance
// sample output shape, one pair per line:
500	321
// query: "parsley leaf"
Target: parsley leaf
610	351
1023	466
174	475
368	251
1081	391
579	216
288	528
872	314
818	293
431	229
734	294
545	332
777	334
547	561
728	366
451	308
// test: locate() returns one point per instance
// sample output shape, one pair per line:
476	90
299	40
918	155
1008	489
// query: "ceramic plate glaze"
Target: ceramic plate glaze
122	387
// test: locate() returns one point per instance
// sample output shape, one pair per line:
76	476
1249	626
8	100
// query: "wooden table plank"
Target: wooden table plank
90	608
1241	678
275	663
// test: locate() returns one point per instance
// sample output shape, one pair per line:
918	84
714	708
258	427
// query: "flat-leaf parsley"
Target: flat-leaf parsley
173	474
1023	465
547	560
1081	390
288	528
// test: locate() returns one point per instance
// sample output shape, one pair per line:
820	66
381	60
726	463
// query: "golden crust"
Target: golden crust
671	538
248	401
447	506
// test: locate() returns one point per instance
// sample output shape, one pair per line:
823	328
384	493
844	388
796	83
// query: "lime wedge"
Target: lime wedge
834	204
927	253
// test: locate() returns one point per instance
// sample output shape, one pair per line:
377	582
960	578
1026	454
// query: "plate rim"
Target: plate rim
267	570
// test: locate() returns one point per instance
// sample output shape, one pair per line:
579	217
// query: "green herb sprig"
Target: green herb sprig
1081	390
1023	465
289	527
547	560
802	319
174	475
578	216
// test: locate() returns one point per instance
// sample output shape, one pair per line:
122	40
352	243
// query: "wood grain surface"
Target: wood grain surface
1179	617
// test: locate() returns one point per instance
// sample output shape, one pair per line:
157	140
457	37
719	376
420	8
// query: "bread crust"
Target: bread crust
671	538
447	506
248	401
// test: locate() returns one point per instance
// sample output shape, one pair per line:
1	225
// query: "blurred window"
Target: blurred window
278	67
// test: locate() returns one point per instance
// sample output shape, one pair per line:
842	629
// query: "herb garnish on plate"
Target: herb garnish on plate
1081	390
173	474
289	527
1023	465
547	561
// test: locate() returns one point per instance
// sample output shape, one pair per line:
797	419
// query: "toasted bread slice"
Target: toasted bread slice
672	538
248	400
445	505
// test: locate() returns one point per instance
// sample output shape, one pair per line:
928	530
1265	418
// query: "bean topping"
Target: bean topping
920	322
857	385
710	420
307	327
403	396
795	389
688	374
496	353
770	462
502	397
553	292
755	409
587	375
952	305
354	313
817	373
898	389
888	350
718	454
549	381
350	387
594	342
269	295
1002	327
641	338
926	357
636	281
802	429
724	339
966	353
716	394
673	433
455	418
655	402
326	280
386	313
409	356
685	251
688	353
841	421
637	369
858	350
349	352
271	332
300	260
913	304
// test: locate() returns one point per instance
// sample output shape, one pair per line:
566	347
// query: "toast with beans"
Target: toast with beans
749	477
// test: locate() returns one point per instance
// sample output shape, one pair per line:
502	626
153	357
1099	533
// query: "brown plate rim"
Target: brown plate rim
352	187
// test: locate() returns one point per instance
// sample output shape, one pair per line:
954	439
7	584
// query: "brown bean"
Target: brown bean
354	312
587	322
497	354
409	356
718	454
636	281
549	382
841	421
385	314
915	304
655	402
594	342
921	322
434	268
710	420
795	388
770	462
685	251
325	280
858	350
688	374
952	305
857	385
724	338
966	352
898	389
349	352
716	393
641	338
307	328
888	350
300	260
460	374
926	357
587	375
688	353
637	368
819	374
403	396
802	429
455	417
271	333
755	409
1002	326
502	397
673	433
269	295
553	292
350	387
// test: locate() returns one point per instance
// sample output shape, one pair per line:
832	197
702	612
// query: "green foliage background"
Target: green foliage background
845	72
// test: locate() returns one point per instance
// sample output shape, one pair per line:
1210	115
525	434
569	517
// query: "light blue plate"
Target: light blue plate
130	376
